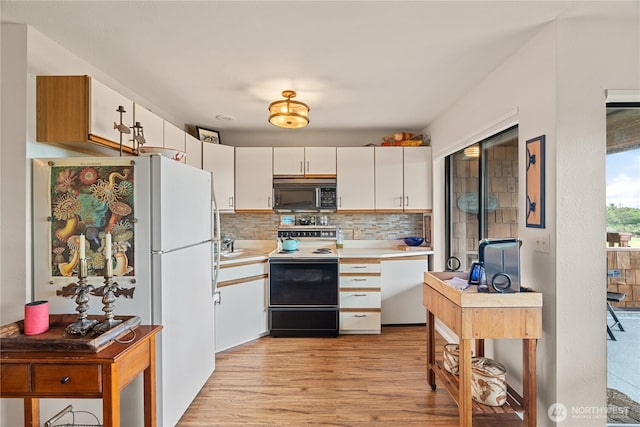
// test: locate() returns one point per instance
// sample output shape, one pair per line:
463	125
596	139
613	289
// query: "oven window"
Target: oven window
313	284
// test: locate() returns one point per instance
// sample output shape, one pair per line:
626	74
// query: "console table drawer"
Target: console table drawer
15	377
74	379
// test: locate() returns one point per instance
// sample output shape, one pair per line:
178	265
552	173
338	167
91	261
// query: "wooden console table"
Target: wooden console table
476	316
32	375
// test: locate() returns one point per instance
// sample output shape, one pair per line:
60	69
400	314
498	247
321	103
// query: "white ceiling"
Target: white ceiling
359	65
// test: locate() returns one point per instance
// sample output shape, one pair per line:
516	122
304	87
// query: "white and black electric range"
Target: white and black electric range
303	284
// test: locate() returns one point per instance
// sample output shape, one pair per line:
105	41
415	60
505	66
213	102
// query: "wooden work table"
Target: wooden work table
476	316
32	375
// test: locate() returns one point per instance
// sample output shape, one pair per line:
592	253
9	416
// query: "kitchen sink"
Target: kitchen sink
232	254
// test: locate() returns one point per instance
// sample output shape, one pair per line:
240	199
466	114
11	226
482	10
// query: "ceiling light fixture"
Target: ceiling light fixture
287	113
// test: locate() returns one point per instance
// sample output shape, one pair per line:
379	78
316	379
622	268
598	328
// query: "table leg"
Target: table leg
431	350
529	383
150	418
110	396
31	412
464	396
479	347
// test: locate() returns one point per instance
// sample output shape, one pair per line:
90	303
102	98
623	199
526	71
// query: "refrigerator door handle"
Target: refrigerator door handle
216	237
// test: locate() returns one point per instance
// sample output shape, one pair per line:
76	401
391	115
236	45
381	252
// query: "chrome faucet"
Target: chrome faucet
227	244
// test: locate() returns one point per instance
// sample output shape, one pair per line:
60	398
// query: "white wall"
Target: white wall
15	282
307	137
555	85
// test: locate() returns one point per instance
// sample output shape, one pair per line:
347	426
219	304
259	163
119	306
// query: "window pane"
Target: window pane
500	172
483	194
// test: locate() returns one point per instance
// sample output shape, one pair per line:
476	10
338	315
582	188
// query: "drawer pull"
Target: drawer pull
360	315
359	266
359	280
359	295
64	380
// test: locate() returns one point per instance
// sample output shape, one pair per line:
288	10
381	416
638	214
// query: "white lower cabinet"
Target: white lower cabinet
360	296
359	322
402	280
241	315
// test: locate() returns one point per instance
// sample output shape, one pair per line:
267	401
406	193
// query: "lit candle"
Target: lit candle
82	247
107	249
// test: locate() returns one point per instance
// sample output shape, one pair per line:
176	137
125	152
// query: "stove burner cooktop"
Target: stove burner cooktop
323	251
288	251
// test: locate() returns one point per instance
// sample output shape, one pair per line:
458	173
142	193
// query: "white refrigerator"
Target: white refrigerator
164	224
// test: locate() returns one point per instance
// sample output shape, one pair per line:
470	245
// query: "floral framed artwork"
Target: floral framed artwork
535	203
208	135
91	200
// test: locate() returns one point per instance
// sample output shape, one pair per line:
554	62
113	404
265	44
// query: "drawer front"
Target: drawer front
66	379
360	281
238	272
360	321
355	299
15	377
360	267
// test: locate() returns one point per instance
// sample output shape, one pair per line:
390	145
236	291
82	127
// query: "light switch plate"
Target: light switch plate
542	243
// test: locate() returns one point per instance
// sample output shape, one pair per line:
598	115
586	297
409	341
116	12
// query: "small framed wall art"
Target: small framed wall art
208	135
287	219
535	203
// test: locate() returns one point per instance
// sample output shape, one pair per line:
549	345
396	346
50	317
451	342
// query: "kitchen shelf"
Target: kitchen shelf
514	403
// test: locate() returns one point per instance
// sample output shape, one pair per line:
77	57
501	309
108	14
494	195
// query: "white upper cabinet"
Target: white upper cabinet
193	148
174	137
219	159
301	161
103	114
418	179
288	161
320	161
403	179
254	178
389	178
355	178
152	126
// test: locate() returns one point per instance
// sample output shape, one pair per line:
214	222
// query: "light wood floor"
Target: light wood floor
352	380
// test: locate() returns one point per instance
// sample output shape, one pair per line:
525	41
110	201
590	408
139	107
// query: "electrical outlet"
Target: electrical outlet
542	243
356	234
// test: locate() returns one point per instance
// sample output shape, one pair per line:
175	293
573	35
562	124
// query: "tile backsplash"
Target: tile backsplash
364	226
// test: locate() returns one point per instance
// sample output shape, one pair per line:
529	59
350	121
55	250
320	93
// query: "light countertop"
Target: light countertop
256	251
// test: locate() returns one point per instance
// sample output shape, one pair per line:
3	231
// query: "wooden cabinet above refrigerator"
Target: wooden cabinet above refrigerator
74	110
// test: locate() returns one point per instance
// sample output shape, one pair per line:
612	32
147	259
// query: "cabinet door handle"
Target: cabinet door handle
307	165
230	201
301	170
269	201
64	380
406	201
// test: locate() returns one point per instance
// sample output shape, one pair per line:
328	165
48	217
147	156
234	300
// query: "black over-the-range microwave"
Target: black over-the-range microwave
304	195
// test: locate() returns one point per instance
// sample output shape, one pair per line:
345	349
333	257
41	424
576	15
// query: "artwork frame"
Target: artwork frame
287	219
535	182
209	136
